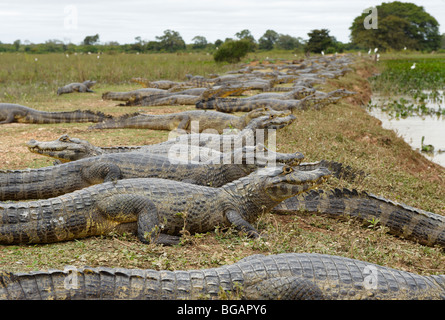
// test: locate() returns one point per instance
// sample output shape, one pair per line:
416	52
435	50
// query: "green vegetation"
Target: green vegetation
399	25
403	108
417	78
26	77
410	74
232	51
320	41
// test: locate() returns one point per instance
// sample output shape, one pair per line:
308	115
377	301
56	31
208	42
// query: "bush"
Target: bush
232	51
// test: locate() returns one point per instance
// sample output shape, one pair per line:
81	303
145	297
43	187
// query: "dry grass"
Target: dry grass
342	132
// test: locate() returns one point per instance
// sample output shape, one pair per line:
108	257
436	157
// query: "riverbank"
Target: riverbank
343	132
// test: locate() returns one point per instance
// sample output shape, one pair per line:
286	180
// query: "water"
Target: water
414	127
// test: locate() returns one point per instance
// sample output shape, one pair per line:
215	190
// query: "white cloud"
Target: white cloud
122	21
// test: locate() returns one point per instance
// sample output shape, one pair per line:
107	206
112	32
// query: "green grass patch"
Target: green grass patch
399	77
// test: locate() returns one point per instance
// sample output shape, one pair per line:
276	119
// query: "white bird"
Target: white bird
375	50
413	66
404	48
369	52
322	52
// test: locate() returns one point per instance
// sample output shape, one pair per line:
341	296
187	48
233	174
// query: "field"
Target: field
342	132
409	82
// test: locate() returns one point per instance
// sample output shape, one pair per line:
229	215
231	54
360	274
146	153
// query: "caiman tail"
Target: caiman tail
67	217
68	116
402	220
40	183
292	276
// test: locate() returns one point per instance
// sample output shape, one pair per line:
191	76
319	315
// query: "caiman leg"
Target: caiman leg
127	208
240	224
9	118
102	172
184	124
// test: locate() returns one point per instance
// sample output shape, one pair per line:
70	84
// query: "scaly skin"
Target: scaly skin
316	99
246	105
401	220
77	87
192	120
43	183
287	276
71	149
160	208
184	97
17	113
159	84
295	93
131	95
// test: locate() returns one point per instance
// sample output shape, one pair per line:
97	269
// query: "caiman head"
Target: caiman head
64	149
270	122
265	112
253	157
342	93
283	181
266	187
89	83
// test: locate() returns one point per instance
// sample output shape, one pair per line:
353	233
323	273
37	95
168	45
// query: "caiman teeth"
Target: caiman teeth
36	148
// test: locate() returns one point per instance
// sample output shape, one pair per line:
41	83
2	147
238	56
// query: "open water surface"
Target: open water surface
413	127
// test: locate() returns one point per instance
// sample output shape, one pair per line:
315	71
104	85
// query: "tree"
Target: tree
171	41
199	42
287	42
218	43
232	51
268	40
319	40
248	37
90	40
399	25
16	44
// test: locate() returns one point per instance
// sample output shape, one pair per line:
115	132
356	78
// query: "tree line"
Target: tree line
171	41
400	26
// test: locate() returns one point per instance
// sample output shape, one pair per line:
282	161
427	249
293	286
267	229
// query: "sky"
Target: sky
122	21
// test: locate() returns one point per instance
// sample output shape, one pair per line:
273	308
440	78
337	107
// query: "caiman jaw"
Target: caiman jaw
292	182
55	149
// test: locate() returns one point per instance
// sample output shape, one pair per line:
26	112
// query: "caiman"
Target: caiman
185	97
159	209
17	113
413	224
159	84
130	95
77	87
316	99
246	105
285	276
189	121
70	149
52	181
296	93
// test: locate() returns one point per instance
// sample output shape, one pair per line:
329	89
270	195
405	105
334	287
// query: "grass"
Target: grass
398	77
28	77
342	132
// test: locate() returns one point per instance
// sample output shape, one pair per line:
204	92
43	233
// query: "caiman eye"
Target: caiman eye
287	170
64	138
271	116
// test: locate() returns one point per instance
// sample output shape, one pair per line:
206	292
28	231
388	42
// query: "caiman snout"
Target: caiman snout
31	143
